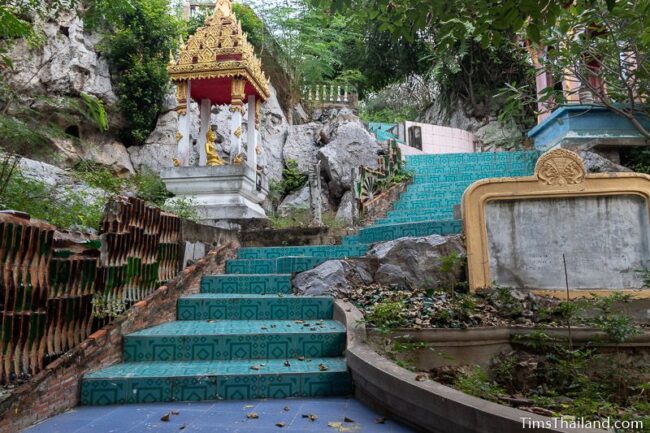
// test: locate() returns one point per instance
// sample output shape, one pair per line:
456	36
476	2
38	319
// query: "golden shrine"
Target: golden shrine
217	66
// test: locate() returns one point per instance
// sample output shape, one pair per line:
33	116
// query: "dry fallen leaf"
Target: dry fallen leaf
252	415
175	412
286	409
165	417
346	419
421	377
323	367
279	424
380	420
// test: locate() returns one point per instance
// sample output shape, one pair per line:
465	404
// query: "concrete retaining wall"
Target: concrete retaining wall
427	406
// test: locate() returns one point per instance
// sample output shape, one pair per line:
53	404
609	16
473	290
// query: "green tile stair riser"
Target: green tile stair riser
389	232
320	251
238	339
407	220
231	380
427	211
246	284
271	307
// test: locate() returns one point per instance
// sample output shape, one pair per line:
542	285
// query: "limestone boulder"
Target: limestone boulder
345	212
301	145
274	130
68	63
496	134
152	156
333	278
595	163
112	154
352	148
300	200
416	261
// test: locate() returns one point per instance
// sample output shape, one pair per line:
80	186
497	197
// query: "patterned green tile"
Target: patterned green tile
234	339
212	380
320	251
254	307
247	284
264	266
394	231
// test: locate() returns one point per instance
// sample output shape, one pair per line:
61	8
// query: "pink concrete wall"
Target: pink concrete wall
441	139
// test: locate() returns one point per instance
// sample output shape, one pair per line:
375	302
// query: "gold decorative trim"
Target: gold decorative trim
558	174
237	132
560	167
179	136
220	49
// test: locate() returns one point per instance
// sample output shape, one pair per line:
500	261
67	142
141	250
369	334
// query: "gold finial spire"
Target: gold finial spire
223	6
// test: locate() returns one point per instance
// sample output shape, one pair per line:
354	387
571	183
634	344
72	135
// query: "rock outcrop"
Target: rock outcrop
67	63
352	148
333	278
415	262
595	163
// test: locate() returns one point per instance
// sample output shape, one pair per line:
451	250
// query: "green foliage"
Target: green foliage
292	180
386	315
638	159
387	115
182	207
138	43
619	327
295	218
151	188
475	381
64	207
146	184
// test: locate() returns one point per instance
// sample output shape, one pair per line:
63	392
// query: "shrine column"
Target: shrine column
183	133
206	111
251	147
237	110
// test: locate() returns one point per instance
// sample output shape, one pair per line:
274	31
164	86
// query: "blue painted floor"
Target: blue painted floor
224	417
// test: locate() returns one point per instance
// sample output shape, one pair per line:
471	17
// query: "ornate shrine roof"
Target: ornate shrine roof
215	55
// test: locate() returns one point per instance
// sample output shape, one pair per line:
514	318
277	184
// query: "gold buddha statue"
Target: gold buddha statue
211	150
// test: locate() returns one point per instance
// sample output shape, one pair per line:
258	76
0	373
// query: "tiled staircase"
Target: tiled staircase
245	336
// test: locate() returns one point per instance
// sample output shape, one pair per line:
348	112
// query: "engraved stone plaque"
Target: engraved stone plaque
606	240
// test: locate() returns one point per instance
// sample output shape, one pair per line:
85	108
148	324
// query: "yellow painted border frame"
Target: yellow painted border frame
477	195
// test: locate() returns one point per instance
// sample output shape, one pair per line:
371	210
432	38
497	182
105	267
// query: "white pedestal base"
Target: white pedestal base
221	193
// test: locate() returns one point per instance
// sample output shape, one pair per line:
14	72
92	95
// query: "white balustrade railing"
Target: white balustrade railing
329	93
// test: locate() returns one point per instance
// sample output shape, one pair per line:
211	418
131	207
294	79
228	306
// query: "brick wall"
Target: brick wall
56	389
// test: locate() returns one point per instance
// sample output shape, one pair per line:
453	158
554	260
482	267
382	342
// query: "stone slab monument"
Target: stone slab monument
217	66
521	231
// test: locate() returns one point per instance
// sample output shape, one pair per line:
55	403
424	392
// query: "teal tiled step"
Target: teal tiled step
502	167
435	189
215	380
247	284
388	232
282	265
254	307
459	176
433	211
413	219
470	158
428	203
234	339
320	251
